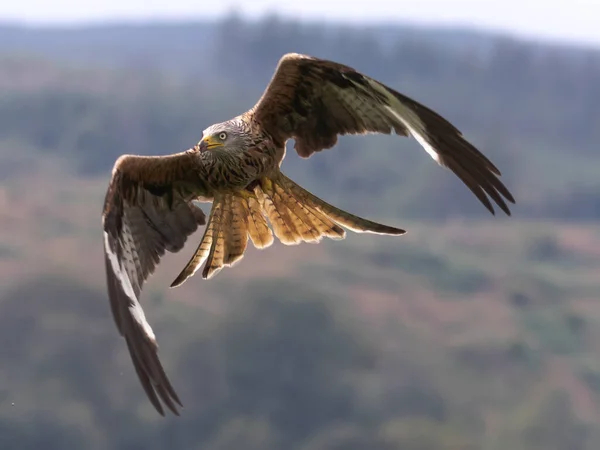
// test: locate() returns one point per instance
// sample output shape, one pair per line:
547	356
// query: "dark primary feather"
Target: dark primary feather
145	213
314	101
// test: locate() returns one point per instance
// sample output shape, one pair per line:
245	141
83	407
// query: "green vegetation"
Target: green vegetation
470	332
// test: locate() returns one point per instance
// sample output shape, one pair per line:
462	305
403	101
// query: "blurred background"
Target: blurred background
470	332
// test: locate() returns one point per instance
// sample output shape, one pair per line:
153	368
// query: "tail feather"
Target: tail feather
258	229
344	218
216	255
299	215
295	216
204	247
283	226
237	241
232	221
311	225
323	224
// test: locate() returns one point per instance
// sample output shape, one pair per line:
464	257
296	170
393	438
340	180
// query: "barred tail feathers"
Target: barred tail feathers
203	249
224	241
293	220
295	216
258	228
284	190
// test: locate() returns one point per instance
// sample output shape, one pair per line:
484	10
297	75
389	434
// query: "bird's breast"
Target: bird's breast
233	172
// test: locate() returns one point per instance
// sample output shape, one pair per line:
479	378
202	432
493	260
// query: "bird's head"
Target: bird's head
230	135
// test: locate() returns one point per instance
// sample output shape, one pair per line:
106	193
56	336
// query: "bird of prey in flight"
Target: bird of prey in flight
149	202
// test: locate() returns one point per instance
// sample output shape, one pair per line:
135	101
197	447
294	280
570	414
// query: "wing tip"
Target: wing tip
159	408
502	205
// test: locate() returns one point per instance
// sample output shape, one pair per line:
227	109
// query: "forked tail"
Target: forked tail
295	215
350	221
233	219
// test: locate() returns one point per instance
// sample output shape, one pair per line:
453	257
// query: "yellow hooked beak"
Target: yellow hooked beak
209	142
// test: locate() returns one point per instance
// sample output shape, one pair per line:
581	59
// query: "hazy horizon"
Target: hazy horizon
554	21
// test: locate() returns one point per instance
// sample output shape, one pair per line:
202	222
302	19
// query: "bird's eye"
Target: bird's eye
223	136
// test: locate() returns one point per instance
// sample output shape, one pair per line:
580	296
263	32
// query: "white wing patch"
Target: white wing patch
138	314
419	137
135	308
409	119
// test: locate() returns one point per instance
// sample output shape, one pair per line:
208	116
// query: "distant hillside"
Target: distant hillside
157	43
470	332
122	45
90	94
153	42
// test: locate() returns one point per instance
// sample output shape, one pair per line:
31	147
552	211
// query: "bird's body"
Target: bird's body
149	203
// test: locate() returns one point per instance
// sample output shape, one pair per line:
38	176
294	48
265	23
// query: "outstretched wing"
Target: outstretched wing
313	101
147	210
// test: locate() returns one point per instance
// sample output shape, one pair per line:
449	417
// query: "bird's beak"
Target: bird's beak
203	146
207	143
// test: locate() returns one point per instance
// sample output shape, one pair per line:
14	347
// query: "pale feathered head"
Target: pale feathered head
230	135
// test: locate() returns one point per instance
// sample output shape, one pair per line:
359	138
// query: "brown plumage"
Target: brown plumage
148	207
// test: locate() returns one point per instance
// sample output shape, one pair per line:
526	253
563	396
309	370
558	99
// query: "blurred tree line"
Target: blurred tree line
290	371
533	108
289	367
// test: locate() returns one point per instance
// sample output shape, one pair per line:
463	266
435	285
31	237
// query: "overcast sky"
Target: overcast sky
566	20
